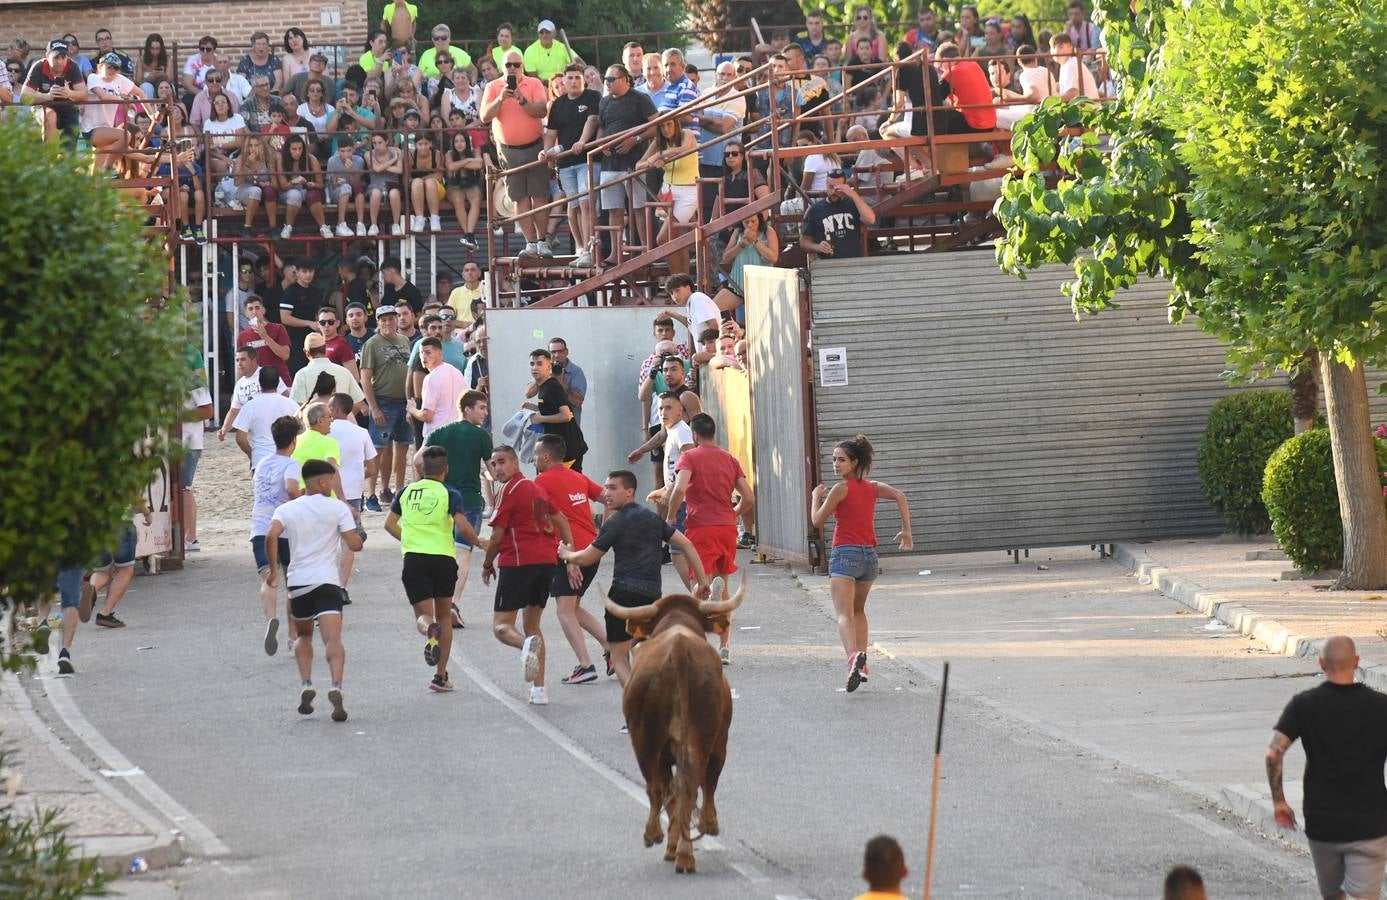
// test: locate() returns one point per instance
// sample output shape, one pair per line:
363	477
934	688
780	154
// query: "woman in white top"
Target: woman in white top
316	109
100	121
225	131
816	166
1035	82
295	58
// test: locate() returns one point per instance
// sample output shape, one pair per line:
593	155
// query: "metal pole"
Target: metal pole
934	793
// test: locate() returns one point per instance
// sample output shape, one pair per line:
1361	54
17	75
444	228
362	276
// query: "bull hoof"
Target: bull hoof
669	855
708	827
683	866
653	839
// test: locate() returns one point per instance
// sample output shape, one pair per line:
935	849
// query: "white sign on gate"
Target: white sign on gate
833	366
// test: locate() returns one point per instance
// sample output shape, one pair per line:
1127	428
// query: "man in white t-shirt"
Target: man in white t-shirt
1075	78
253	422
700	311
247	386
276	482
314	524
357	463
197	409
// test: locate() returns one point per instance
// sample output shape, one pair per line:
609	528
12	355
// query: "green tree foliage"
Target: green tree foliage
1244	164
89	366
1242	432
1300	494
474	22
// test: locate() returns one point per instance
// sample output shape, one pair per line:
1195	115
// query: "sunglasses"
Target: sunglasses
863	18
610	78
840	173
245	271
440	37
448	318
210	48
511	65
733	153
216	80
327	321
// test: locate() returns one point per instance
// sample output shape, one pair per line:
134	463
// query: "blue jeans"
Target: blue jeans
473	515
854	561
124	552
396	427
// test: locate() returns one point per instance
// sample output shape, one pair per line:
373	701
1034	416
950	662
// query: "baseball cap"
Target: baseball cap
313	341
111	59
386	311
546	25
356	304
57	46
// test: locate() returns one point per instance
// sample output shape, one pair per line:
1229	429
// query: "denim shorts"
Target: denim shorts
190	461
855	561
473	515
679	527
573	181
124	552
396	427
69	587
262	560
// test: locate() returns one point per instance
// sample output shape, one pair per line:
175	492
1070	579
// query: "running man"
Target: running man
68	587
525	534
276	482
572	492
114	570
852	566
705	478
314	525
469	447
636	533
423	518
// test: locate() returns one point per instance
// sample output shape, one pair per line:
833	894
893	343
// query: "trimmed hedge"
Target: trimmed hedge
1300	494
1242	432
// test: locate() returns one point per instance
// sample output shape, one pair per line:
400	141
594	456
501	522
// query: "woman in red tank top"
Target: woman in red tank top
853	566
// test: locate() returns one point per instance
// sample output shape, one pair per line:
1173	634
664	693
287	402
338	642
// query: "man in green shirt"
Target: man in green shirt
546	57
384	367
469	446
423	518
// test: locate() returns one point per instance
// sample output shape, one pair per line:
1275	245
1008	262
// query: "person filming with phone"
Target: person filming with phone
833	225
515	106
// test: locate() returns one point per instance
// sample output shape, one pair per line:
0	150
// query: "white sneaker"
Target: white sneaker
529	657
287	231
372	231
344	230
539	696
360	229
543	249
325	231
716	587
529	252
435	223
583	260
396	230
416	223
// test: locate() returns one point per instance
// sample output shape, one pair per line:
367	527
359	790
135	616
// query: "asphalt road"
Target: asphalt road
477	794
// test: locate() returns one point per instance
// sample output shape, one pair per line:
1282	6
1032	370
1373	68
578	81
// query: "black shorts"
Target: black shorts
520	586
561	587
428	576
323	600
658	453
616	628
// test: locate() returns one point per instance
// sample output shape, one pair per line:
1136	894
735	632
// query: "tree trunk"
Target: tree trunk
1305	391
1355	471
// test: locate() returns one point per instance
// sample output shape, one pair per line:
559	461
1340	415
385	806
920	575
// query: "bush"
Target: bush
1242	432
36	859
1303	500
90	369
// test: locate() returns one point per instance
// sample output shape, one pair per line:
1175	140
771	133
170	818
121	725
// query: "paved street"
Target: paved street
1090	724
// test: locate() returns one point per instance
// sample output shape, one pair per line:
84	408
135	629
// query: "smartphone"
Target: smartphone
510	82
182	145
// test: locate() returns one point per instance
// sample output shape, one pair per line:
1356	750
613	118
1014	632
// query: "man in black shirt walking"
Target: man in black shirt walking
1343	727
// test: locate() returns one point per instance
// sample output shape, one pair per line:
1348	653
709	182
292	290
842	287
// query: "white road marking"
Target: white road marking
194	831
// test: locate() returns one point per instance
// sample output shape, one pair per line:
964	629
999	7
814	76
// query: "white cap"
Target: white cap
546	25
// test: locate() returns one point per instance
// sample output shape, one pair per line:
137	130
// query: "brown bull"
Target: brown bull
678	708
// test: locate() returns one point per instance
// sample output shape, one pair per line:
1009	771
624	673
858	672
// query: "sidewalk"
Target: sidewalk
1216	578
102	821
1074	648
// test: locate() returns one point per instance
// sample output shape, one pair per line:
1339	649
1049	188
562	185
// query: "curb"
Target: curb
162	849
1268	632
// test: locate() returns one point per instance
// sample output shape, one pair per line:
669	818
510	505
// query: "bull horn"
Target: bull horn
628	613
720	607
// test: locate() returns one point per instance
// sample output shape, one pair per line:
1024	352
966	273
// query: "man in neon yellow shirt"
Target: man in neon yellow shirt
546	57
883	868
428	62
399	20
316	443
422	518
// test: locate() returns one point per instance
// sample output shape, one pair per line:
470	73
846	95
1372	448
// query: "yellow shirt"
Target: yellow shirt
428	62
546	63
461	300
683	171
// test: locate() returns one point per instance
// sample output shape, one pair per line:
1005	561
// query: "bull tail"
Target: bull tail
679	719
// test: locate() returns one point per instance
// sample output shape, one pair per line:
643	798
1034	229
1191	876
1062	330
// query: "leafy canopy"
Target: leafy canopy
1246	167
90	367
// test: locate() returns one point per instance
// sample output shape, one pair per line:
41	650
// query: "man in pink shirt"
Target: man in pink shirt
438	405
515	105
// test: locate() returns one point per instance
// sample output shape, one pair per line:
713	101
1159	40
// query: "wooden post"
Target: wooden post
934	791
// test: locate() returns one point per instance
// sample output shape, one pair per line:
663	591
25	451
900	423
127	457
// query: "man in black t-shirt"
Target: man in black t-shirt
298	310
833	226
553	411
56	82
1343	728
621	109
573	122
398	291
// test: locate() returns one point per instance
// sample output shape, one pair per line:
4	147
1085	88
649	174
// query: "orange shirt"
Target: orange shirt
513	126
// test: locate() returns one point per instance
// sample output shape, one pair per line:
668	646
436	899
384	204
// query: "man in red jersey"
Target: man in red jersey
525	533
705	477
572	492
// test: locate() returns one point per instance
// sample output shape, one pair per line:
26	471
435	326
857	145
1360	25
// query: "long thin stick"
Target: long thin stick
934	793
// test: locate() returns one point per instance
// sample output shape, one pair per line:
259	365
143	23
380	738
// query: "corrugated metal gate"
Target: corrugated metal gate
1008	424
